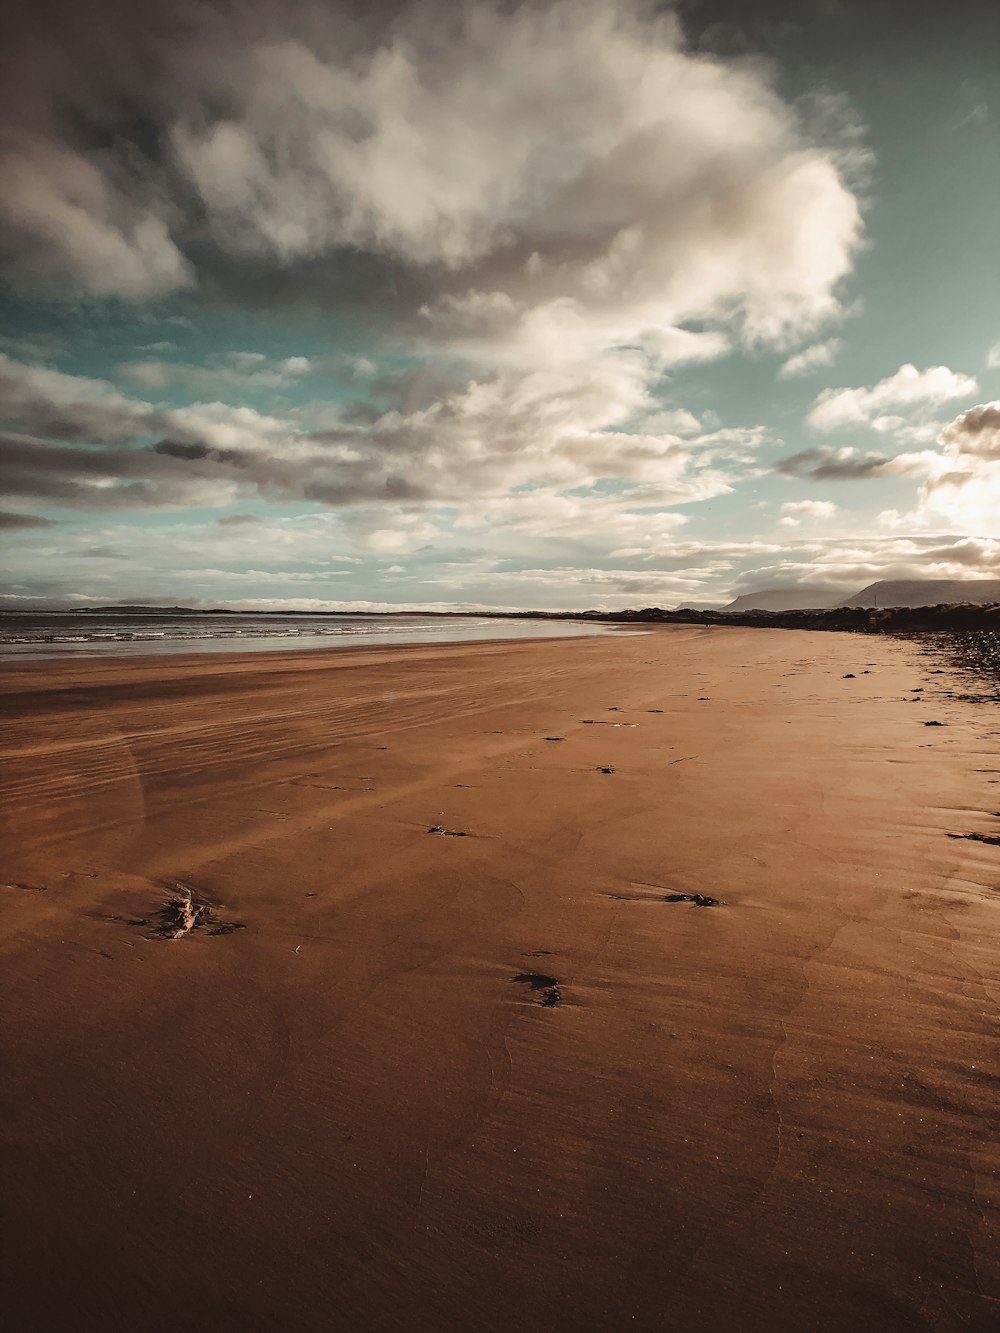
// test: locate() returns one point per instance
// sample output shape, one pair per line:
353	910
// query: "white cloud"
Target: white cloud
993	357
811	358
556	203
663	185
795	511
907	388
963	480
552	429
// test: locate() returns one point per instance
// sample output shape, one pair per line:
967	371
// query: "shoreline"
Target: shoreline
125	649
692	1013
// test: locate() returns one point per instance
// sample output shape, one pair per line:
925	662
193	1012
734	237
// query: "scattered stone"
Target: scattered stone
554	738
850	676
933	724
607	768
447	832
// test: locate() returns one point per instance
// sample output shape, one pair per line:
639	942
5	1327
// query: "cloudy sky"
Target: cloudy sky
546	304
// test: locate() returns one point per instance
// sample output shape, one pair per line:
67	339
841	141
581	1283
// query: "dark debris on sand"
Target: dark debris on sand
183	913
698	899
548	986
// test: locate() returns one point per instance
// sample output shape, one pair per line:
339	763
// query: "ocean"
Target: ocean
29	635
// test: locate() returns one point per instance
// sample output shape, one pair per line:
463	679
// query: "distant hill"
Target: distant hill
801	597
884	593
138	610
925	592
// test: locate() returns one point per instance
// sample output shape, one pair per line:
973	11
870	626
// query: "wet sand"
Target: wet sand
707	1041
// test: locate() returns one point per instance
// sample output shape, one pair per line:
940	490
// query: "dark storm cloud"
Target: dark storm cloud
825	464
89	99
193	451
812	28
13	522
176	449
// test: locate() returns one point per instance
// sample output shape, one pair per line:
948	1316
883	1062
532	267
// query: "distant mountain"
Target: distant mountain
801	597
137	610
925	592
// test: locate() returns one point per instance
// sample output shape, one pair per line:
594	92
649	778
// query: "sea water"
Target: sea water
26	635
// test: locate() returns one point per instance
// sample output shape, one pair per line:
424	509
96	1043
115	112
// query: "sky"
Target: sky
555	304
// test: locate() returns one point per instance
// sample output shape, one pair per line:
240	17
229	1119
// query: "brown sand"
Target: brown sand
778	1113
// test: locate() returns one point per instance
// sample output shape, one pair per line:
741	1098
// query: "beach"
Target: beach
634	982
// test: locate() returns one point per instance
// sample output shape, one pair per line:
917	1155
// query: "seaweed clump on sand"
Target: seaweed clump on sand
185	912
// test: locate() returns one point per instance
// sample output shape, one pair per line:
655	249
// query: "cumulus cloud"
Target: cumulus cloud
963	478
907	388
65	407
62	218
960	479
542	208
82	443
480	162
975	434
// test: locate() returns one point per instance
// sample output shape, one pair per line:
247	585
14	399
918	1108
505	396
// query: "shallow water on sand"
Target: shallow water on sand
979	650
69	634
